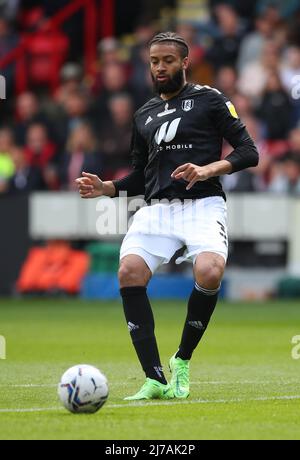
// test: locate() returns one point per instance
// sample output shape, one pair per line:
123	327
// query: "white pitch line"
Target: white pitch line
29	386
165	403
204	401
37	409
199	383
245	382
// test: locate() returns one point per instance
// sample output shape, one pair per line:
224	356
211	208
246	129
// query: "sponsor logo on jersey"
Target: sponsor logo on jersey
167	131
167	111
174	147
187	105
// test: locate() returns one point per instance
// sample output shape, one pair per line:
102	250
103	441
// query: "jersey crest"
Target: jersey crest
187	105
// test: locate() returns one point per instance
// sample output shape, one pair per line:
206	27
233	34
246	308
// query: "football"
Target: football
83	389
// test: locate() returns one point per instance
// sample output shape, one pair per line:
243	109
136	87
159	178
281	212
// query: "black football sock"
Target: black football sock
140	321
201	306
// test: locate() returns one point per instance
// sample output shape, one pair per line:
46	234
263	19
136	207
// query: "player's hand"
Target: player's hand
191	173
90	186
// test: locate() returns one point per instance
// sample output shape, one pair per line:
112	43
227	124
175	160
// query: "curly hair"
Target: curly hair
171	38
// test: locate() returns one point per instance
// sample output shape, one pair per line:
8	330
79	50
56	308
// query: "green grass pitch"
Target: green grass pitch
245	384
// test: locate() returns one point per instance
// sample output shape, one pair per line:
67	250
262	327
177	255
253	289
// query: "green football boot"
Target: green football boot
180	381
152	389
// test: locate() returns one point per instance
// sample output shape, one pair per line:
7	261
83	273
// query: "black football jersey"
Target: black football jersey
188	128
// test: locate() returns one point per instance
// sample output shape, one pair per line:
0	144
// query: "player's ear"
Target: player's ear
185	63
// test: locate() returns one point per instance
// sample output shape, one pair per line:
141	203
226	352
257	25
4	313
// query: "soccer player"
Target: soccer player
176	150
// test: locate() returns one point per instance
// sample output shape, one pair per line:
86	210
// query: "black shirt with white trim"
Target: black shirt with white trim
188	128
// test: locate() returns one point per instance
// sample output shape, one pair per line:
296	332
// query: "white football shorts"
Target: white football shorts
159	230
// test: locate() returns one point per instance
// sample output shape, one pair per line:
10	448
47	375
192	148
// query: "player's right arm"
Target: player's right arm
134	183
91	186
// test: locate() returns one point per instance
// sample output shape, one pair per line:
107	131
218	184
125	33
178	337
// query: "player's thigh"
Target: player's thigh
207	231
155	250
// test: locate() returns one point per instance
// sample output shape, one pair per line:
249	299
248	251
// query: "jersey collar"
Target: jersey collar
177	95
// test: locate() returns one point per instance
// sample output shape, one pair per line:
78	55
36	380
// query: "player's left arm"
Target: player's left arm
193	173
231	128
228	124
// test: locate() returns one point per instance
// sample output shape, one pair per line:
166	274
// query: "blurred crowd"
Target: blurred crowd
252	56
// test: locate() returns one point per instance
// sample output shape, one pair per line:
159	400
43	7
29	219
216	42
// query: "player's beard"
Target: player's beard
173	84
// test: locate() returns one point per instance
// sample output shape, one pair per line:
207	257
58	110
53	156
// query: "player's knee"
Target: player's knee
130	275
209	274
127	275
210	278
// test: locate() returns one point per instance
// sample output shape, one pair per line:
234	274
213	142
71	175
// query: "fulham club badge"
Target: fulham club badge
187	105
